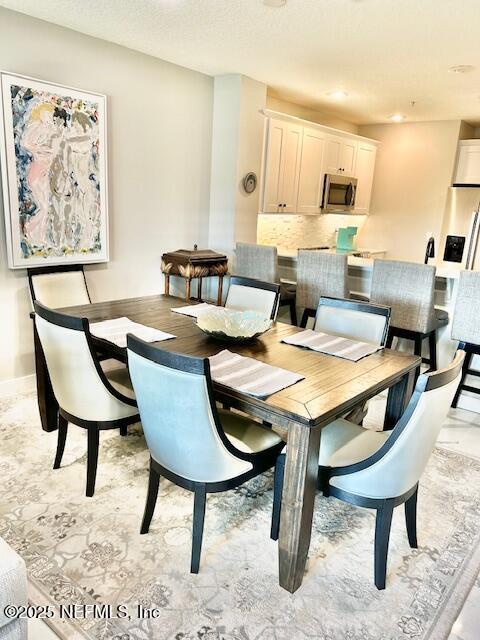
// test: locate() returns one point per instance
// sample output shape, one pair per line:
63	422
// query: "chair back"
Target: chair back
178	414
398	465
256	261
353	319
408	289
78	381
247	294
466	317
58	286
320	273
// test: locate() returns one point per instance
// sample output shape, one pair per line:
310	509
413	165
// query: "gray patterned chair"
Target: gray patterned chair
319	274
13	591
408	289
466	325
261	263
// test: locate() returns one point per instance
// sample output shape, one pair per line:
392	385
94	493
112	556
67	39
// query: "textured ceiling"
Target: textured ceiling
384	53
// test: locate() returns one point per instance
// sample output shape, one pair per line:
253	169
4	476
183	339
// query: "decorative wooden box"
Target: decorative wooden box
196	263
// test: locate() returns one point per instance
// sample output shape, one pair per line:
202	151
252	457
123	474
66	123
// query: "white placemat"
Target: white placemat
194	309
353	350
116	331
249	375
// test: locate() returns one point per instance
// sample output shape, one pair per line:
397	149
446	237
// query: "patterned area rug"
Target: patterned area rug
88	550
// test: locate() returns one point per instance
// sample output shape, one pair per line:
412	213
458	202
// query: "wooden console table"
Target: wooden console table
199	263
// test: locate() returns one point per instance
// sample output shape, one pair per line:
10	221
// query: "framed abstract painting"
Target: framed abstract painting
54	173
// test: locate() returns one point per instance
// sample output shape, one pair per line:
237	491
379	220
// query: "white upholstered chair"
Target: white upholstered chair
192	444
260	262
381	470
247	294
87	396
59	286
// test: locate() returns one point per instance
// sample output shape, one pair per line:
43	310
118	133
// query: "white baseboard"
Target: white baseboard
17	385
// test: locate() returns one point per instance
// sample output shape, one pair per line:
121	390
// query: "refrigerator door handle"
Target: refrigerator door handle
473	241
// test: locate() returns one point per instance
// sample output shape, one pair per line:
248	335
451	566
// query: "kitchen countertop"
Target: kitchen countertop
444	270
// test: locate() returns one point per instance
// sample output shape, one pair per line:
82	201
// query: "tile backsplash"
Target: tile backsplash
293	232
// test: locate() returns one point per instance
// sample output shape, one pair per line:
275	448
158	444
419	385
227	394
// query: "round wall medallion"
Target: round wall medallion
250	182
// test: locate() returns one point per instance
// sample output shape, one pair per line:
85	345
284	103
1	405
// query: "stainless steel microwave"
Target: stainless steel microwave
338	193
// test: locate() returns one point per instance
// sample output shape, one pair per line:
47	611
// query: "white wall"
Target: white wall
159	140
413	170
238	129
328	119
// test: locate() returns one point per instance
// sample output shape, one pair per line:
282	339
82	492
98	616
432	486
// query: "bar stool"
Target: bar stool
408	288
466	326
319	274
261	263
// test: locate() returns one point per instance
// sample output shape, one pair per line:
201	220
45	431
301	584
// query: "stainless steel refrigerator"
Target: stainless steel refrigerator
459	241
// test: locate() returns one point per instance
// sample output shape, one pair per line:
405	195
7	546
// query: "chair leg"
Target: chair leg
411	519
304	320
432	345
124	430
293	312
198	521
62	437
92	459
465	368
277	496
153	483
418	346
383	524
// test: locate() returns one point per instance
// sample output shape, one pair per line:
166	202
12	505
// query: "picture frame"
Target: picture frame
54	166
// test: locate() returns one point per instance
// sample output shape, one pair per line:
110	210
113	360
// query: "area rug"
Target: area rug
87	551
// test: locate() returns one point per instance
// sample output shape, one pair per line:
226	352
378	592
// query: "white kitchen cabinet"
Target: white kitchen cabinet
310	185
282	167
364	169
340	156
468	163
297	156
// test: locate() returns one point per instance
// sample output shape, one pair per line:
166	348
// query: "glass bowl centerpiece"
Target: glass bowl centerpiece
229	325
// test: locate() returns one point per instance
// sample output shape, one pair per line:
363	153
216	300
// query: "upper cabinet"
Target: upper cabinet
284	146
298	156
364	168
468	163
310	185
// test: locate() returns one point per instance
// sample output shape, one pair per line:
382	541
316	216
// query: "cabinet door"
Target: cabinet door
348	157
291	153
468	165
333	155
365	166
273	166
310	184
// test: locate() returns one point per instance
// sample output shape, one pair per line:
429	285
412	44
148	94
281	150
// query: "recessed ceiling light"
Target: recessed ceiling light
338	94
397	117
461	68
275	3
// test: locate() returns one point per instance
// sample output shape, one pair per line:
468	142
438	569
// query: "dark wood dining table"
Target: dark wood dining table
330	388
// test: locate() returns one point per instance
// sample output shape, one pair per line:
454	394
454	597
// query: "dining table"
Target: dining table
330	388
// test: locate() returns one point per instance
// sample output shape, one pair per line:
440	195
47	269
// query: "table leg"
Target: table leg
188	284
199	290
47	404
220	291
167	284
398	398
301	471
